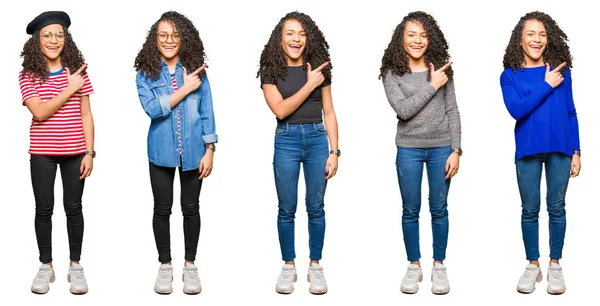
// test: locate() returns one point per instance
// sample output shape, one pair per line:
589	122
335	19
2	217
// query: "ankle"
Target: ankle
290	262
418	263
438	261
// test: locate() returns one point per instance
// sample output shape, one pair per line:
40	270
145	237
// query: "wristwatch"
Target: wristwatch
577	152
92	153
336	152
457	151
210	146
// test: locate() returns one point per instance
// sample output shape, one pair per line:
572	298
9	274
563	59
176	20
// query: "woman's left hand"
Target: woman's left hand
575	165
87	163
206	164
452	165
331	167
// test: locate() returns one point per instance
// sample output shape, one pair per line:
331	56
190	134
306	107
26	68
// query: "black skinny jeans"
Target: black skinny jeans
43	174
161	179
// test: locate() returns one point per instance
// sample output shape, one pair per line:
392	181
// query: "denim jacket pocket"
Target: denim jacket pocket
192	107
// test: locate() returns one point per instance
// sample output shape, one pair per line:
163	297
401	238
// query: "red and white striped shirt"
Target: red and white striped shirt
179	149
62	133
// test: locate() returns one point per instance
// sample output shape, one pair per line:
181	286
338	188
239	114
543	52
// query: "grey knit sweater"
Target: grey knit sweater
426	118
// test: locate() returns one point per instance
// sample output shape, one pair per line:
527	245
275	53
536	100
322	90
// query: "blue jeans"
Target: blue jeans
295	144
409	165
529	176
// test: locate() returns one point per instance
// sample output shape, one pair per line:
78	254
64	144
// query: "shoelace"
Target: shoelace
77	274
166	274
191	273
412	274
529	274
43	274
287	274
317	274
555	273
439	273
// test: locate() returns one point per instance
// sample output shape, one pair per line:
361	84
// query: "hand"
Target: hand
87	163
554	77
438	77
192	81
315	77
75	81
575	165
331	166
452	165
206	164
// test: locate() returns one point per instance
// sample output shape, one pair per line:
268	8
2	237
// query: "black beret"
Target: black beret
47	18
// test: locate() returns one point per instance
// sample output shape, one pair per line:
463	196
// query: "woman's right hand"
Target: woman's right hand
192	81
75	81
554	77
315	77
438	77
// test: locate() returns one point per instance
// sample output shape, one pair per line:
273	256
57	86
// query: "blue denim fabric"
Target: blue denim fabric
198	120
295	144
409	165
529	176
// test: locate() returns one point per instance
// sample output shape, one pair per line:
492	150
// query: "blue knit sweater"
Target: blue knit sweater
546	116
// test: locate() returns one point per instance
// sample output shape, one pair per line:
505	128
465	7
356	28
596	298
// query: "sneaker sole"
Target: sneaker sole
288	290
440	292
313	290
163	291
557	292
76	291
37	291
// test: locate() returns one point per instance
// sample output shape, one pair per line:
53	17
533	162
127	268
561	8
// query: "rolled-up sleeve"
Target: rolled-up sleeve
207	115
155	107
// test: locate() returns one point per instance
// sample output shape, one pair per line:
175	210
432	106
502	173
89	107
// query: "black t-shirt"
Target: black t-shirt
311	110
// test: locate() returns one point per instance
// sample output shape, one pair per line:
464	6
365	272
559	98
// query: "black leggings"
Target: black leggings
43	174
161	179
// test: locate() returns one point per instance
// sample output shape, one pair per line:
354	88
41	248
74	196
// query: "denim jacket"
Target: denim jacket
197	120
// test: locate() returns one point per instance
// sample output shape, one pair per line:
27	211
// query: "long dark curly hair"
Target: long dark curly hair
191	50
557	49
35	63
273	65
396	59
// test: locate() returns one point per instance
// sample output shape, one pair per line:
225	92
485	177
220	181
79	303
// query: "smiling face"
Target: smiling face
52	41
534	40
415	42
293	42
168	42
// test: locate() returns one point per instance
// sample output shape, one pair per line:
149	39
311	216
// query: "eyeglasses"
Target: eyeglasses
47	36
162	37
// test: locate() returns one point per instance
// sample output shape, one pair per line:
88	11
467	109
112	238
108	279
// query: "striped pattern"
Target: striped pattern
62	133
179	148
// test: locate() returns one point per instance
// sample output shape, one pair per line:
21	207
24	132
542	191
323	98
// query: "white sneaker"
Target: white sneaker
164	279
77	279
410	282
191	281
41	282
287	277
316	278
439	279
532	275
556	281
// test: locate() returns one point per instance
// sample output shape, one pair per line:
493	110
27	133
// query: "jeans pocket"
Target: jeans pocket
320	128
281	130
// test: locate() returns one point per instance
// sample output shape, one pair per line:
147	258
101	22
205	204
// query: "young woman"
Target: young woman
175	93
55	88
537	90
418	82
295	75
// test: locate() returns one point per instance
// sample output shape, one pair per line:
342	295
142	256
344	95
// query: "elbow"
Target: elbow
38	116
280	114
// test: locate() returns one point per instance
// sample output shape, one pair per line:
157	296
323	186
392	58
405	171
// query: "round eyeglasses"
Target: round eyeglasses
47	36
163	37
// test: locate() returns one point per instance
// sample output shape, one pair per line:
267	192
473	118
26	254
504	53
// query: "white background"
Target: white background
238	256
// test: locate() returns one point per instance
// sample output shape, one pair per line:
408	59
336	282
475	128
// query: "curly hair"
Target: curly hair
557	49
191	50
35	63
396	59
273	65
